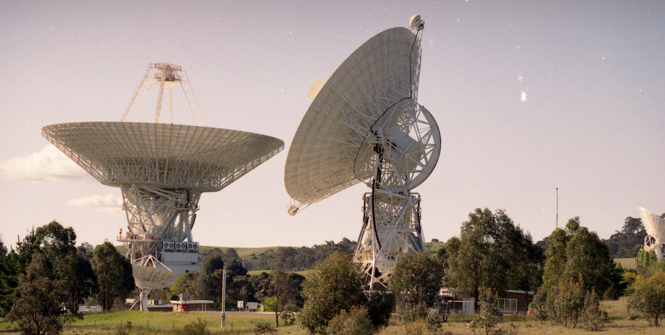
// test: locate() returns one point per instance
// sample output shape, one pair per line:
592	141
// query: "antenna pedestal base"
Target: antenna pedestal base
391	228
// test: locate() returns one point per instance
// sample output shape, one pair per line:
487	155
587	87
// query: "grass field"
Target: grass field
156	323
626	263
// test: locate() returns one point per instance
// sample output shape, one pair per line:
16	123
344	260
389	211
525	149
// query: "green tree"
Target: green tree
555	258
77	276
415	282
647	263
648	297
39	300
211	277
589	257
8	279
185	284
627	242
527	270
336	284
57	246
283	290
114	275
238	287
485	254
578	252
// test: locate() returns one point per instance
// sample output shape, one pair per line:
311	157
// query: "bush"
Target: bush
124	329
194	328
355	322
649	297
264	327
565	302
593	316
416	327
489	314
288	316
335	285
538	306
411	314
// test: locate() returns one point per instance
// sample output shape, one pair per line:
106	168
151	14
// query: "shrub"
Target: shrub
124	329
264	327
411	314
649	297
194	328
355	322
538	306
416	327
565	302
288	316
593	317
489	314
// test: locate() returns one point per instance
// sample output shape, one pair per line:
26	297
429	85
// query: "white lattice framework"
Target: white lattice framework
365	125
655	228
162	169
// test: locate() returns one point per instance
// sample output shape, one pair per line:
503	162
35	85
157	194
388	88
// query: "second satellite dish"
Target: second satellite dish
365	125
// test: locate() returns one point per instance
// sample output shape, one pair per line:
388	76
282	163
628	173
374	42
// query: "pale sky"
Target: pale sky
529	96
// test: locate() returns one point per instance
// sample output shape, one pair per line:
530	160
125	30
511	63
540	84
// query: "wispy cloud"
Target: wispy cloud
49	164
109	203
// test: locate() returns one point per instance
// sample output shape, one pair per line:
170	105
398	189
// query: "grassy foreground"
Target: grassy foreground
165	322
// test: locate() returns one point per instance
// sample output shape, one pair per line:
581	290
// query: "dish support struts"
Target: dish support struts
391	212
159	221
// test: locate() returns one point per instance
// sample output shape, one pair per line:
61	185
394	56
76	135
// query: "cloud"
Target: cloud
49	164
109	203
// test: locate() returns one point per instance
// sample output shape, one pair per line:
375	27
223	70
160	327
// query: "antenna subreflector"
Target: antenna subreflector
365	125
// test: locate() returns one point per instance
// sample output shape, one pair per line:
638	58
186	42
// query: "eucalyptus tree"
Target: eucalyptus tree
486	253
114	275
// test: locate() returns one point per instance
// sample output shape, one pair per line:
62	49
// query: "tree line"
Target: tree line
287	258
570	271
45	277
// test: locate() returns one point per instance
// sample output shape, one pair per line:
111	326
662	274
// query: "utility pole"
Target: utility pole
223	296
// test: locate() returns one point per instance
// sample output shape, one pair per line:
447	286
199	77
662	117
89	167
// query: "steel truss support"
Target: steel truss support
391	216
155	215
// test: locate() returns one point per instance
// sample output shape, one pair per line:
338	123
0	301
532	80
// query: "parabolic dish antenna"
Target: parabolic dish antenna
655	228
365	125
161	169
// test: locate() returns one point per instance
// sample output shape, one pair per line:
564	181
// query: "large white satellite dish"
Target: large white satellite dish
655	228
161	169
365	125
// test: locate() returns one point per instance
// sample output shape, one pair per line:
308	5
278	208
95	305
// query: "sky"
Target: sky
529	97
